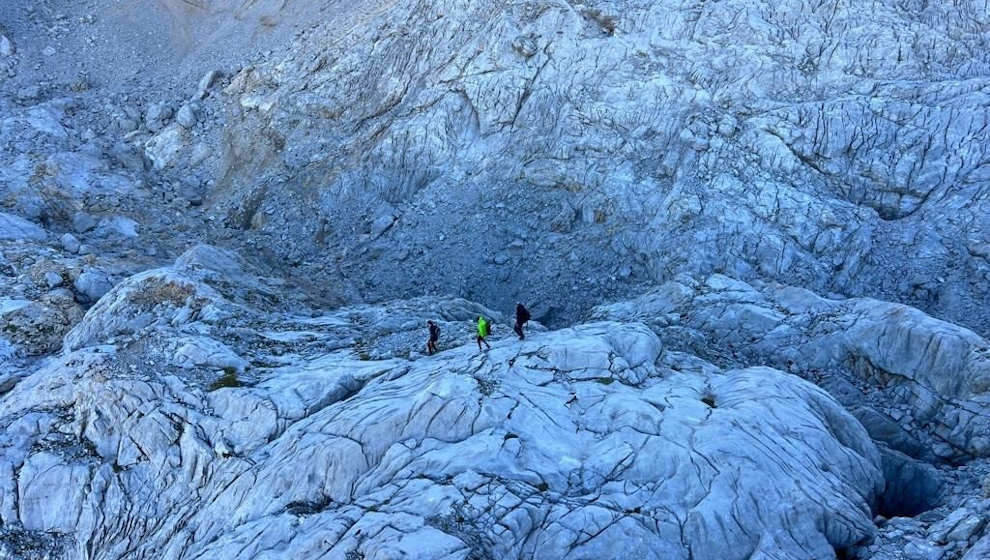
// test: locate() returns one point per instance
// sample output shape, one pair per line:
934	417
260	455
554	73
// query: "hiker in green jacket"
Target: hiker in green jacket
484	329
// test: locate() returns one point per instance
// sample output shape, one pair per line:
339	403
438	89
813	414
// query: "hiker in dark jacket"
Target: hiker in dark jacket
522	316
431	344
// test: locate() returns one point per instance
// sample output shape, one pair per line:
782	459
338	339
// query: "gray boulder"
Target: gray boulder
79	173
186	116
16	228
163	148
118	226
962	525
917	549
53	279
69	243
28	94
83	222
91	285
206	82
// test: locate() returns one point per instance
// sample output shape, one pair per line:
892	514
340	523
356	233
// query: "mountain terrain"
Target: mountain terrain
755	238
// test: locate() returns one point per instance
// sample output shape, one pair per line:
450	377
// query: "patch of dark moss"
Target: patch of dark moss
228	379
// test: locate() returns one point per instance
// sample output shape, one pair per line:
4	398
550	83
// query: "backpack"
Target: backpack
524	316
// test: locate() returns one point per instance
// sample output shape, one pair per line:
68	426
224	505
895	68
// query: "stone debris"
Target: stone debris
186	116
157	116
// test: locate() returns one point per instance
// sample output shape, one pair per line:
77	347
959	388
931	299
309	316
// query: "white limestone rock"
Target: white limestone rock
200	152
584	441
118	226
206	352
163	148
939	370
51	492
83	222
959	526
6	46
79	173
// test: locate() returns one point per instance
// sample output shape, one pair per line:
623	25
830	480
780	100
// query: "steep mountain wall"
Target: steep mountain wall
563	152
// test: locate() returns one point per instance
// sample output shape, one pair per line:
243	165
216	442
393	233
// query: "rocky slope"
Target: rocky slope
533	149
527	150
195	412
342	439
757	234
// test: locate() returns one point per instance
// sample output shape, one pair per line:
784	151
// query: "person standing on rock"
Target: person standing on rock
484	329
522	317
431	344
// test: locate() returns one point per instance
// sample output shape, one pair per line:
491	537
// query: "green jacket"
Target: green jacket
483	327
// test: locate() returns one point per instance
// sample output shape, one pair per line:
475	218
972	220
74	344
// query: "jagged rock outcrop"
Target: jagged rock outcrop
931	376
336	436
830	145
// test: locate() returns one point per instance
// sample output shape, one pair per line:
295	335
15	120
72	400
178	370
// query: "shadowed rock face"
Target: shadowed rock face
338	436
547	148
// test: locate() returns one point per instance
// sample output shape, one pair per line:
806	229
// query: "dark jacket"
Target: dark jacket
522	314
